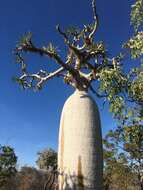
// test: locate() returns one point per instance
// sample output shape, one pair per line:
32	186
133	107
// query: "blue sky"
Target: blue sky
29	121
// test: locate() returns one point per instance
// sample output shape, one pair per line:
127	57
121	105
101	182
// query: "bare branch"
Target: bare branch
71	46
95	17
44	51
84	61
62	33
41	77
50	76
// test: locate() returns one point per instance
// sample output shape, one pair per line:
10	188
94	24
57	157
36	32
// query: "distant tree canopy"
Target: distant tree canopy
31	179
123	155
47	159
8	162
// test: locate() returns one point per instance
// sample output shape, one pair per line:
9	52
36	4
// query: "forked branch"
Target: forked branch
82	65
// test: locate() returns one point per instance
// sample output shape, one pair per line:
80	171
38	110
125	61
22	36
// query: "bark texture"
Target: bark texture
80	160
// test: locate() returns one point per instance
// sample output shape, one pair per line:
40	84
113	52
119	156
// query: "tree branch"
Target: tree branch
44	51
95	17
78	58
38	76
96	93
71	47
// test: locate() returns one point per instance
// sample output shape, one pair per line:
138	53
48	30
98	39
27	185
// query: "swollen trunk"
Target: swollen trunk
80	159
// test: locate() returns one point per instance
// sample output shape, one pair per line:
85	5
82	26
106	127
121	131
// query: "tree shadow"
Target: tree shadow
74	181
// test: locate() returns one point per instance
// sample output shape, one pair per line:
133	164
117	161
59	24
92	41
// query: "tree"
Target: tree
29	178
8	162
125	143
137	14
115	167
116	86
47	159
128	137
126	103
113	84
118	175
81	52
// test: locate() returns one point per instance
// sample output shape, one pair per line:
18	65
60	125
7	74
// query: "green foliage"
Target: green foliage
47	159
118	87
123	155
8	161
135	87
135	45
113	84
137	14
50	48
116	167
72	31
25	40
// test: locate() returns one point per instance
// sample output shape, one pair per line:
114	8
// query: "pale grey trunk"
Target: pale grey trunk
80	159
